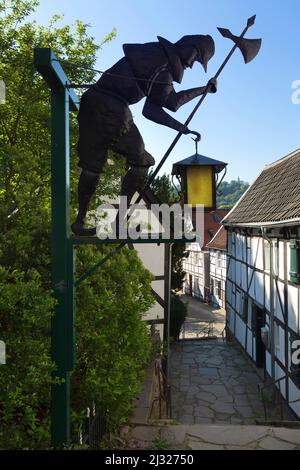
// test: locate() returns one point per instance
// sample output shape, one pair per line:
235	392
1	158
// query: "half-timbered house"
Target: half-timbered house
263	274
197	264
217	267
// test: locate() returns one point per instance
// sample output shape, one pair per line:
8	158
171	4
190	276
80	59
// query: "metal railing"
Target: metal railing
279	398
163	395
92	430
205	329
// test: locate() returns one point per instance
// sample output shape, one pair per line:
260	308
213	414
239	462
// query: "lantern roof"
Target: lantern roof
199	160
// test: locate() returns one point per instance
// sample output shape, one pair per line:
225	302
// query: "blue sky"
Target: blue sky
251	120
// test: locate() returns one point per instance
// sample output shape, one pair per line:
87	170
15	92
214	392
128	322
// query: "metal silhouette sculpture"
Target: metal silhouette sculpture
147	70
105	121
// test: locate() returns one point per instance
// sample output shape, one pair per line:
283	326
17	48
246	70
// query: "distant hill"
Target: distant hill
230	192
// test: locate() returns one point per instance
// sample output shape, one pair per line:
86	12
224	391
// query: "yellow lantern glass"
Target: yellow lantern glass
197	176
200	186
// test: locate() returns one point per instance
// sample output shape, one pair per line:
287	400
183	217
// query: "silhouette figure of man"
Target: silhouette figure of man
105	121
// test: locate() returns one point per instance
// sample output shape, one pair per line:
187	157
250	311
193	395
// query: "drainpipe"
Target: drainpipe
272	278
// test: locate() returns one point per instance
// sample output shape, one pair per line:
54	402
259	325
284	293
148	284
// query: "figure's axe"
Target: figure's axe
249	49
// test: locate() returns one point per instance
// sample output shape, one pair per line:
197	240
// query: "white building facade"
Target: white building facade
263	275
218	268
197	281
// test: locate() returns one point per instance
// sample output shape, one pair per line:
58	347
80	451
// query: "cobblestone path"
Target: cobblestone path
212	382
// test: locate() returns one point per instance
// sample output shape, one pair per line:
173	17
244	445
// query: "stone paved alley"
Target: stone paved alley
199	314
212	382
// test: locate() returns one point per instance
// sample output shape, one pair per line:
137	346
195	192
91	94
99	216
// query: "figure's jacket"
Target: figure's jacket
132	77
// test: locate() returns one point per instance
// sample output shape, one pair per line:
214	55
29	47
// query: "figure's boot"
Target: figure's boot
134	180
86	187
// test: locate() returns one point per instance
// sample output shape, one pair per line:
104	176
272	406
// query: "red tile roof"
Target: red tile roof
219	242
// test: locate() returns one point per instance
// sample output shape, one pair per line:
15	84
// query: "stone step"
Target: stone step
210	437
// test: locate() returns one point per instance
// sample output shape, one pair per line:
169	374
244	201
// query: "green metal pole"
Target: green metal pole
63	263
62	271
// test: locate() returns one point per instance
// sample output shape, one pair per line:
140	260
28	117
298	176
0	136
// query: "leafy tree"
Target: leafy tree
113	342
230	193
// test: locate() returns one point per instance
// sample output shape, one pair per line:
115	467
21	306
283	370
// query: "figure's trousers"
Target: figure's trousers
105	122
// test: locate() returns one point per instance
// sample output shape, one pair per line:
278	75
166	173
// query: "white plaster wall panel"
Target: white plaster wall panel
229	243
249	342
229	268
238	300
218	273
260	260
224	261
251	283
154	313
229	292
259	287
240	331
288	258
159	287
230	318
244	248
194	247
267	292
293	307
281	259
279	372
237	247
280	349
233	272
244	277
238	273
152	257
294	394
252	253
268	363
279	297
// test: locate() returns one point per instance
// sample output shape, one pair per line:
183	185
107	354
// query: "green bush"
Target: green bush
112	339
178	312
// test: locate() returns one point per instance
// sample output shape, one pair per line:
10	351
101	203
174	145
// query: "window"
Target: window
218	259
212	286
294	262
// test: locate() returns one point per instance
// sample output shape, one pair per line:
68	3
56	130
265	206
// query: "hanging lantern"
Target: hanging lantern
198	178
